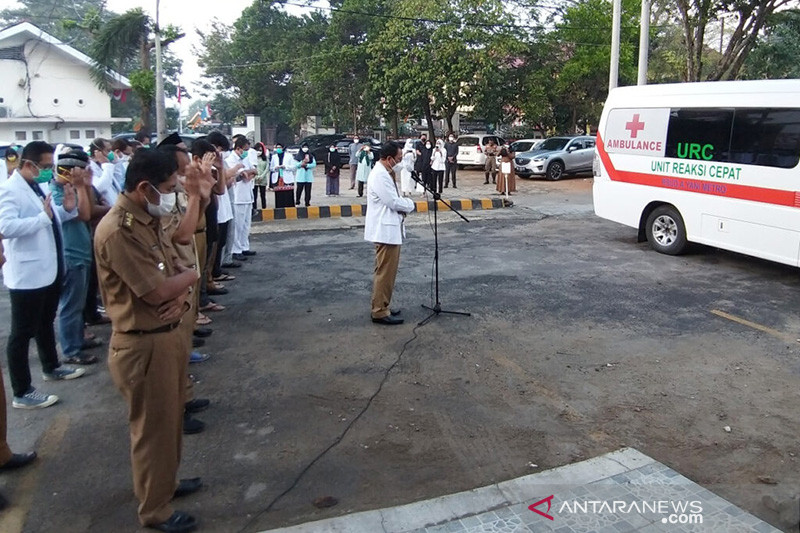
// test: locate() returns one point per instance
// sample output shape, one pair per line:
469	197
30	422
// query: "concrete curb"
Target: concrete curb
358	210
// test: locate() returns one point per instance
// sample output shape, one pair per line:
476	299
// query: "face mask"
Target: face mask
452	139
45	175
243	155
397	166
332	149
305	149
279	150
428	146
355	140
110	157
164	207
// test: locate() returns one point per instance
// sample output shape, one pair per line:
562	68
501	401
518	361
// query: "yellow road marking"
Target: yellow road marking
13	519
754	325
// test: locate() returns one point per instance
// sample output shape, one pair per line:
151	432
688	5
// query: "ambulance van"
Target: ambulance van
713	163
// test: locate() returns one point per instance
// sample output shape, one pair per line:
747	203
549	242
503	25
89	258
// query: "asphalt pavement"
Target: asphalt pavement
581	341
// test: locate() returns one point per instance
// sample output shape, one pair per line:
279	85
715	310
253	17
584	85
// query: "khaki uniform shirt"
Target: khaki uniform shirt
187	253
134	256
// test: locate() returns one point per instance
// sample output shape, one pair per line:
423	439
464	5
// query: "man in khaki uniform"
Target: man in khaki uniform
146	291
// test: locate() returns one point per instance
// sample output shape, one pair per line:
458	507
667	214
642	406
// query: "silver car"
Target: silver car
556	157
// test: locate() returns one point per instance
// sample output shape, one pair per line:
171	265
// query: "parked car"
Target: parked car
188	138
525	145
343	147
556	157
471	147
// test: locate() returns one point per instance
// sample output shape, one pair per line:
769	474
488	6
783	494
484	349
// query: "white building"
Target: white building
47	93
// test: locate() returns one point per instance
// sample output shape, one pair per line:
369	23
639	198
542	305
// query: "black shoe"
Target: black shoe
192	426
494	182
203	332
388	321
239	257
232	264
217	292
454	186
486	182
395	312
188	486
197	405
88	344
248	253
446	186
18	460
197	342
179	522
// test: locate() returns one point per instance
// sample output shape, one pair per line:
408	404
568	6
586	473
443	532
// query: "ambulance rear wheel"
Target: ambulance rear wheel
666	231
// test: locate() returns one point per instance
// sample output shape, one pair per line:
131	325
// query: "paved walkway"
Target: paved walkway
618	492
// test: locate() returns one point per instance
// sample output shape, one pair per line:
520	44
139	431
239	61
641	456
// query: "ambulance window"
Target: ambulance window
766	137
702	134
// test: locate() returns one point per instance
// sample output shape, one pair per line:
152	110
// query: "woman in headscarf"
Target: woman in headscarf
423	163
281	171
262	176
409	156
333	164
365	162
437	165
305	164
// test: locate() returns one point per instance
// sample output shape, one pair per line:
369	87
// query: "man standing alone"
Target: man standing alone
451	164
386	211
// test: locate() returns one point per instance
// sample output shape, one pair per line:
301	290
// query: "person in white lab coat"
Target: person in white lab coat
386	211
102	167
407	183
34	269
242	191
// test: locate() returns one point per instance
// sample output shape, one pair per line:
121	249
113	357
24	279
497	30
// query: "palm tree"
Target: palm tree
125	43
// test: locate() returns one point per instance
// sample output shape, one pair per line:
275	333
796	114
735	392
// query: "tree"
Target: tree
257	58
437	56
72	22
695	17
775	55
125	44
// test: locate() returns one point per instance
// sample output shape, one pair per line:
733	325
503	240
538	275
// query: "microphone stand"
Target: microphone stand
436	310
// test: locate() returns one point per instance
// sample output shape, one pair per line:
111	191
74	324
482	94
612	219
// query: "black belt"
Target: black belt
162	329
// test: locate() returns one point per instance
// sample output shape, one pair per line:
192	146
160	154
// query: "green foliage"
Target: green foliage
143	84
119	42
776	54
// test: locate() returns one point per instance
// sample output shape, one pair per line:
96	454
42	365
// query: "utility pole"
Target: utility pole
644	42
161	113
613	76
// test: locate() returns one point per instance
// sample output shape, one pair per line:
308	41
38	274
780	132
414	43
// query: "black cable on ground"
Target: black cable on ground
338	439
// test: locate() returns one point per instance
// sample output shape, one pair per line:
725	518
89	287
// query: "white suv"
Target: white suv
471	147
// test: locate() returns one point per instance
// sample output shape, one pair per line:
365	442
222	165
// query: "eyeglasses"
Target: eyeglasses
45	167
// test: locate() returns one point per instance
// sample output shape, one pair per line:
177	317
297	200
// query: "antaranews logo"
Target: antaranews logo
670	511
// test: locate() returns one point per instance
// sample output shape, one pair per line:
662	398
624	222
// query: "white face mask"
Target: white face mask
452	139
355	140
305	149
165	206
398	166
428	146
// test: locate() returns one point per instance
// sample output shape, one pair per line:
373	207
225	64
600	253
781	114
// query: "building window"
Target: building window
74	134
38	135
90	134
21	135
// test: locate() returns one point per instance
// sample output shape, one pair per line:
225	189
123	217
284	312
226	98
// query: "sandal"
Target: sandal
213	306
78	360
224	277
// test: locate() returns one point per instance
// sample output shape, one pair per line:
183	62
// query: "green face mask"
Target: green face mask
45	175
110	157
279	150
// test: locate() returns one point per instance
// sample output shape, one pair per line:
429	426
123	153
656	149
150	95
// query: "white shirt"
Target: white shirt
242	190
224	209
104	182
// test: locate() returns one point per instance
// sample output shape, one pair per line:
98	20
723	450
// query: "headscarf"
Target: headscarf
301	154
409	146
172	139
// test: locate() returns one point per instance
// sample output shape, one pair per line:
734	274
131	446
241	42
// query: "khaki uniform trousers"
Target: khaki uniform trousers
387	258
189	319
5	451
150	372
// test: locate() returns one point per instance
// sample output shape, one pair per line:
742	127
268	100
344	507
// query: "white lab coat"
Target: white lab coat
28	241
406	181
288	172
385	208
242	190
103	179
